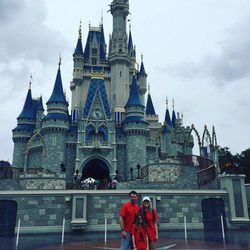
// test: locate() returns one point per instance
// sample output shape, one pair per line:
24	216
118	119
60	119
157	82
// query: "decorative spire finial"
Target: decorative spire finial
173	102
60	61
31	79
167	102
80	30
141	57
89	24
148	88
129	24
102	17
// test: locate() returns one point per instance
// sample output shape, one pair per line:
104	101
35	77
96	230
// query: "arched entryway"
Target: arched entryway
96	169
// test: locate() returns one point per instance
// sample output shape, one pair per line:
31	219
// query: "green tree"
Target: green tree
244	164
229	163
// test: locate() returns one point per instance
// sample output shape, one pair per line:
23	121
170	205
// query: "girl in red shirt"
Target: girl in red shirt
139	234
151	219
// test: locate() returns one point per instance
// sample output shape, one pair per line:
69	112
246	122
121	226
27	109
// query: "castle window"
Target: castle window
94	60
120	73
94	51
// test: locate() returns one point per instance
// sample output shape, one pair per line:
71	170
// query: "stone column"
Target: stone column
235	185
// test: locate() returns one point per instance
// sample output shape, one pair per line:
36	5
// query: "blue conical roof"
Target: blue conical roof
78	49
40	104
57	94
167	118
173	118
150	107
27	107
134	97
130	42
142	70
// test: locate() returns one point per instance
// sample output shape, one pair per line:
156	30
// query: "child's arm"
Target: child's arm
133	241
147	242
156	231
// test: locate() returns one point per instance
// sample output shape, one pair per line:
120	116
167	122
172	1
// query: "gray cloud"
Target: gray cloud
230	64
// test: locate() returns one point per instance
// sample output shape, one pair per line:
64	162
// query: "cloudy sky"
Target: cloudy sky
194	51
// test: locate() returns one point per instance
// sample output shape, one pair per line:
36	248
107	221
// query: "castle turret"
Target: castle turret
119	58
55	125
142	81
23	131
136	130
78	58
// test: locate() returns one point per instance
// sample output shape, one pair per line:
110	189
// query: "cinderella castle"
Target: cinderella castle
112	125
111	132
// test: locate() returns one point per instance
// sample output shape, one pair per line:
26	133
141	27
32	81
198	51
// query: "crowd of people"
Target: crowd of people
139	224
89	183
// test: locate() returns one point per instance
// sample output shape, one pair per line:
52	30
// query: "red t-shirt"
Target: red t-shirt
140	236
128	212
151	230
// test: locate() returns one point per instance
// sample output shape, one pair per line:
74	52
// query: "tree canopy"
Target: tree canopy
237	164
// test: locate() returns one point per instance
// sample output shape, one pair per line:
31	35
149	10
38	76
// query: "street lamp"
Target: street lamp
138	171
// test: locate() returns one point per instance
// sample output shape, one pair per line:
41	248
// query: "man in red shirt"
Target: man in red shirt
127	217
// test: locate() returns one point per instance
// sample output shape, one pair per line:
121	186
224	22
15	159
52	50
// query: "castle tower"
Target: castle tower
77	76
119	58
24	130
55	125
136	130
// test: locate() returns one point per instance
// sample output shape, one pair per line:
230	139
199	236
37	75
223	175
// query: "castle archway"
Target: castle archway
97	169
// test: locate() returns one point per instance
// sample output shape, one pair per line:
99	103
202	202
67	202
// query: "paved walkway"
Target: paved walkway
162	244
197	240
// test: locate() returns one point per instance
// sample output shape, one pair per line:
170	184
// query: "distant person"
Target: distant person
151	218
128	212
139	233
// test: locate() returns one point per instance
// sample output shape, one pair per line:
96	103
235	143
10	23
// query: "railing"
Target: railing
96	144
206	175
144	172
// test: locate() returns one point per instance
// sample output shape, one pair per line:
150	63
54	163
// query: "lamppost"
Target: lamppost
131	173
138	171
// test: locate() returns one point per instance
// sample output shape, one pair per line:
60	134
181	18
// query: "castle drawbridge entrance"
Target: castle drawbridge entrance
96	169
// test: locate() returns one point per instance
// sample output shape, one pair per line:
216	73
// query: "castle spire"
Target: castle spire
149	106
27	107
173	114
78	49
142	69
167	120
57	93
134	97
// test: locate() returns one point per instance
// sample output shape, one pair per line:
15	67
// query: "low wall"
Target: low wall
44	210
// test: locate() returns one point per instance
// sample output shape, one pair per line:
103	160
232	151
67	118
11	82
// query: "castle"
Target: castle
111	132
112	125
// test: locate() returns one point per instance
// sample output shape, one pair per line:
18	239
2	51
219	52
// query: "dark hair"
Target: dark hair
132	192
136	220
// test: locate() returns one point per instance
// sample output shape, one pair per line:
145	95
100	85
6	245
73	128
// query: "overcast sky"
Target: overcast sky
194	51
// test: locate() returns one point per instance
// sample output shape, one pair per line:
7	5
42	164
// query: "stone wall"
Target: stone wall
44	211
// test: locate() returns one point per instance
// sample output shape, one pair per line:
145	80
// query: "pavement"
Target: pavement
196	240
